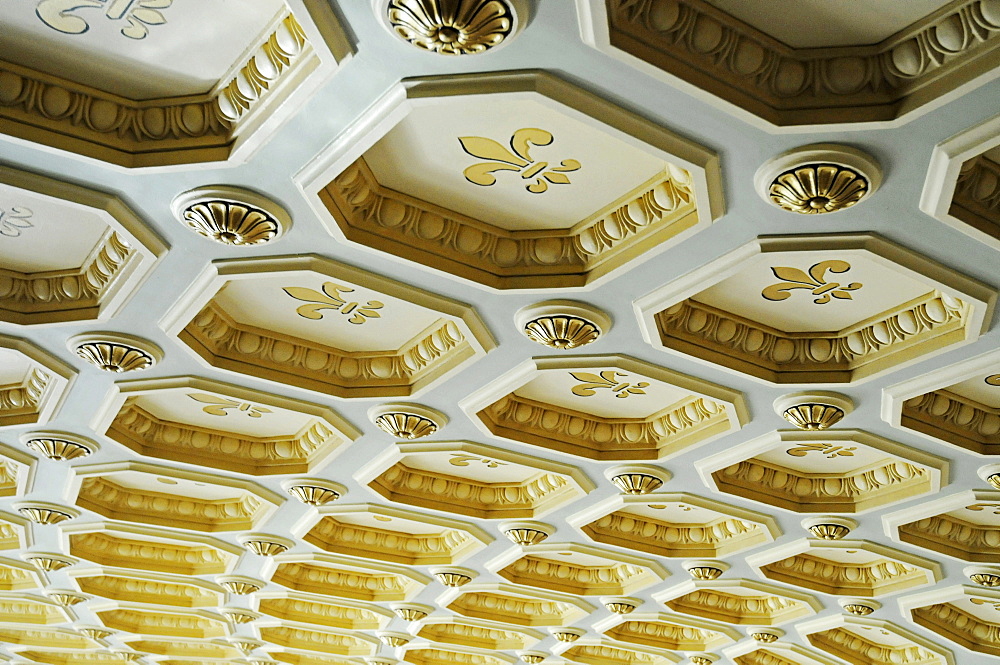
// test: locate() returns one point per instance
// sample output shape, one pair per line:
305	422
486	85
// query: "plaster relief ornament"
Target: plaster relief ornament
116	353
562	324
818	179
608	379
313	491
59	446
815	280
231	215
138	15
516	159
13	222
813	410
407	421
452	27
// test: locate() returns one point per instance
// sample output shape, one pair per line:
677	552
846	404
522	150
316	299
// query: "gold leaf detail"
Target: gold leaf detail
331	298
607	379
814	281
516	159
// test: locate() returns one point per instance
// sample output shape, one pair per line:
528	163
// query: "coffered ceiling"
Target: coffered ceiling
606	332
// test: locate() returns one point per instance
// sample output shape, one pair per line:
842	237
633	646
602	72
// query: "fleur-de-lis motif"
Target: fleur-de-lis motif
13	223
217	406
814	280
828	449
983	601
331	298
993	380
607	379
516	159
138	14
463	460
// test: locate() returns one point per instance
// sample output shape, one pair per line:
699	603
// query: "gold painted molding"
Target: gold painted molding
330	612
976	200
515	605
953	419
136	549
328	575
476	634
706	50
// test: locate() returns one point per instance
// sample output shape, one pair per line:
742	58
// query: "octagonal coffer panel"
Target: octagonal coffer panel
151	494
605	408
845	567
535	183
150	550
70	253
222	426
738	602
594	651
578	569
790	65
139	86
33	383
313	323
964	615
476	633
829	471
866	640
835	309
394	535
674	524
515	605
964	525
473	479
956	406
321	611
662	630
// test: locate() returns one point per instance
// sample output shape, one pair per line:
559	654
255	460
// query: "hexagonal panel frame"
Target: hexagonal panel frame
605	408
475	633
665	630
478	480
678	191
713	529
278	319
514	605
222	425
787	309
838	471
604	651
345	577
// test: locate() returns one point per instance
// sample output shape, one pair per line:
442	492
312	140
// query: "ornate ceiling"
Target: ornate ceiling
615	332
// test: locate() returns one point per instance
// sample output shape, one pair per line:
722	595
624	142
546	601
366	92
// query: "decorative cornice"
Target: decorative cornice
952	536
323	613
469	497
315	640
263	68
15	610
139	430
19	404
576	578
515	609
218	338
738	609
977	195
796	86
141	590
664	635
443	547
879	577
452	27
853	648
408	227
102	495
718	336
717	538
154	622
26	295
567	430
954	419
476	636
609	655
354	584
754	478
959	626
108	550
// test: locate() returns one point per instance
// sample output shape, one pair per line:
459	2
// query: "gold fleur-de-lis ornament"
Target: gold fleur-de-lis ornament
814	280
606	380
517	159
332	298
